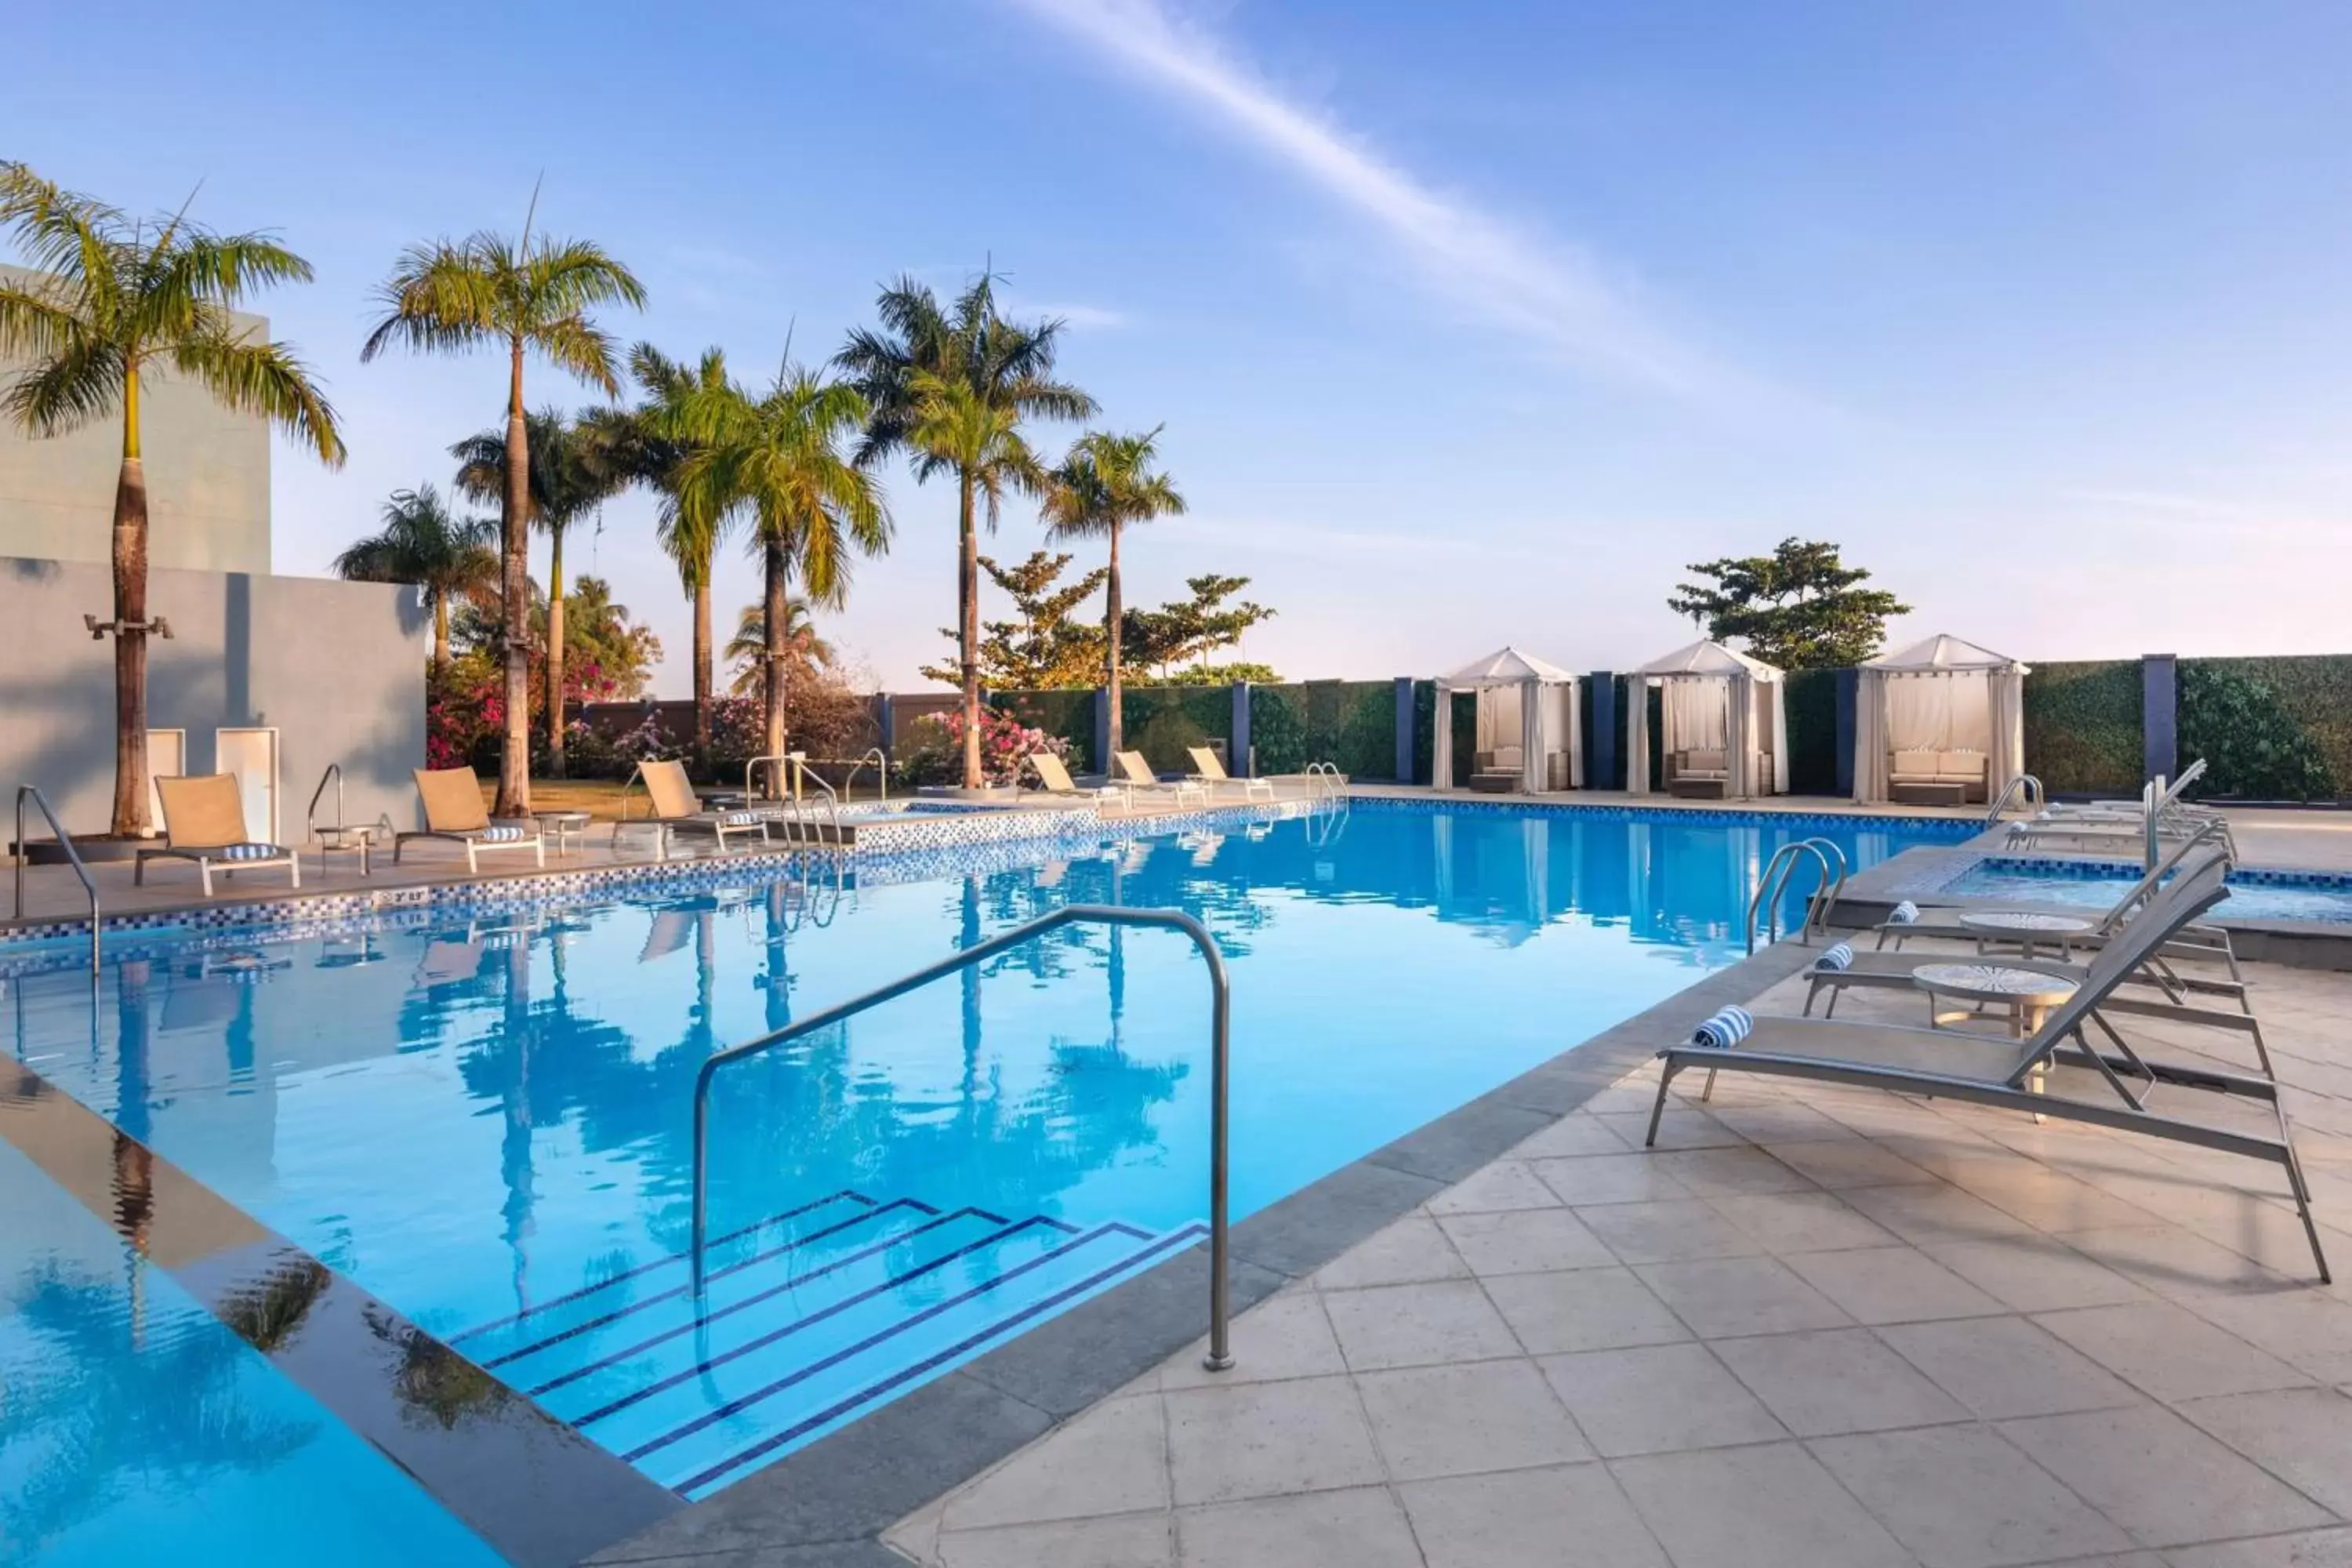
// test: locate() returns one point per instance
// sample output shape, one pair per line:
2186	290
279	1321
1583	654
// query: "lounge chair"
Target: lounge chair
451	799
2124	824
1137	774
675	808
1209	773
1054	774
2199	940
1982	1070
204	821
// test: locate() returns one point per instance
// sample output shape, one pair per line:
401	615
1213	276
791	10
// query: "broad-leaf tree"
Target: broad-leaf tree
572	468
944	381
1107	483
423	541
1800	608
782	460
1044	646
113	300
1190	629
529	295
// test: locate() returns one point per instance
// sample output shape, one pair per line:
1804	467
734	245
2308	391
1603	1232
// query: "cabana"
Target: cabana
1939	723
1726	728
1528	724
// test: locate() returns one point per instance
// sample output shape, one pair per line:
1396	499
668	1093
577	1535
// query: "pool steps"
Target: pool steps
810	1318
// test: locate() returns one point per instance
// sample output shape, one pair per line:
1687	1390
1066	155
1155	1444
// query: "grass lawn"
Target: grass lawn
600	798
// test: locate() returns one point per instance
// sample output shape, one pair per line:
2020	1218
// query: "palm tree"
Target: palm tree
1105	483
111	299
423	542
747	650
1002	367
781	461
645	446
571	469
534	293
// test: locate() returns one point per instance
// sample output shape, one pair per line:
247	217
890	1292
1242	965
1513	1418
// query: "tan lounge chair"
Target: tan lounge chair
204	821
1052	773
676	808
1137	774
451	799
1211	772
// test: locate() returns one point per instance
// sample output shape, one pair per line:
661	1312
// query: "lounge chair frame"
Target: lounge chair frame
666	790
1209	773
207	856
454	826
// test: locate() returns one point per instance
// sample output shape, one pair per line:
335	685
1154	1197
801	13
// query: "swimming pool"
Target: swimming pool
486	1121
2255	894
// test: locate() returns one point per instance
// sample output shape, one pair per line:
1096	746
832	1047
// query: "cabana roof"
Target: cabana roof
1503	667
1705	658
1942	653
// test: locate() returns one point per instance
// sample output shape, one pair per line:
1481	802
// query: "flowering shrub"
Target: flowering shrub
935	752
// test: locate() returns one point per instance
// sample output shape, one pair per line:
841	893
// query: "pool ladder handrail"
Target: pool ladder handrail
1774	882
1324	780
73	858
881	762
2036	797
311	817
1220	1356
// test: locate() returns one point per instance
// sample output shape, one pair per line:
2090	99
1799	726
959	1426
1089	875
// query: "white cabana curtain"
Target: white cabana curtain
1695	715
1940	695
1711	699
1523	702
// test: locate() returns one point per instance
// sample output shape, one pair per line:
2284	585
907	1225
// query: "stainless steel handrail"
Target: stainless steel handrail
752	766
1220	1356
881	762
73	858
1774	882
311	817
2035	796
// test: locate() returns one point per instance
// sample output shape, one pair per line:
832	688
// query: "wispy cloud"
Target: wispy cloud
1085	317
1556	294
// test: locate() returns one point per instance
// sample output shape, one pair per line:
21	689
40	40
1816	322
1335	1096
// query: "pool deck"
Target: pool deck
1816	1326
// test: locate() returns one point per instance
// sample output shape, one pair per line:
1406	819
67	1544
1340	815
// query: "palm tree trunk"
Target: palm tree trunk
1110	640
968	624
774	662
441	632
702	661
131	620
514	520
555	655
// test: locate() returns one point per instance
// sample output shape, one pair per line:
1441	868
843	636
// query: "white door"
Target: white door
250	756
167	758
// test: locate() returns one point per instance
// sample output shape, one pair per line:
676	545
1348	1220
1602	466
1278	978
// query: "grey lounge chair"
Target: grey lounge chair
1137	774
204	821
2199	940
451	799
1984	1071
676	808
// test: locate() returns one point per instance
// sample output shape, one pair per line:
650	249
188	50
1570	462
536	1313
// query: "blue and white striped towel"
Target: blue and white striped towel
1903	914
1725	1030
248	852
506	835
741	819
1838	958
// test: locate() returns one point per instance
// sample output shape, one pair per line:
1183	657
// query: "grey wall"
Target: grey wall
207	479
338	668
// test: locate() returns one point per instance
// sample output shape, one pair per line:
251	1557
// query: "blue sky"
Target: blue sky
1469	323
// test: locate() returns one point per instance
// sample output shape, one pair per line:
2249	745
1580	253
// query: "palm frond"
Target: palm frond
81	383
575	344
266	379
38	318
441	296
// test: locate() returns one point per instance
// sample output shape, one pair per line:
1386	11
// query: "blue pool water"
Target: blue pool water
485	1122
2253	896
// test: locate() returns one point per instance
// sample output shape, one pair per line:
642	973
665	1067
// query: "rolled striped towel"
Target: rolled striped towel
248	852
1837	958
1903	914
741	819
1725	1030
506	835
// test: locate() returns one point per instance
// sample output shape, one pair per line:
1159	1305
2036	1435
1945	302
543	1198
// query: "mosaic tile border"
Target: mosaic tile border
1956	828
2084	868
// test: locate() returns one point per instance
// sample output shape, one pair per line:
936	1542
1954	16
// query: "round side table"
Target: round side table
2028	930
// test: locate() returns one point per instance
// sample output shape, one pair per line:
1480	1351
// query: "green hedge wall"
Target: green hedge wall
1160	721
2082	727
1425	730
1069	713
1349	723
1812	699
2269	729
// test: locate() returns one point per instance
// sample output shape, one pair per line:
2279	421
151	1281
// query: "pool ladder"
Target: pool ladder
73	858
795	810
2036	797
1769	887
1220	1356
